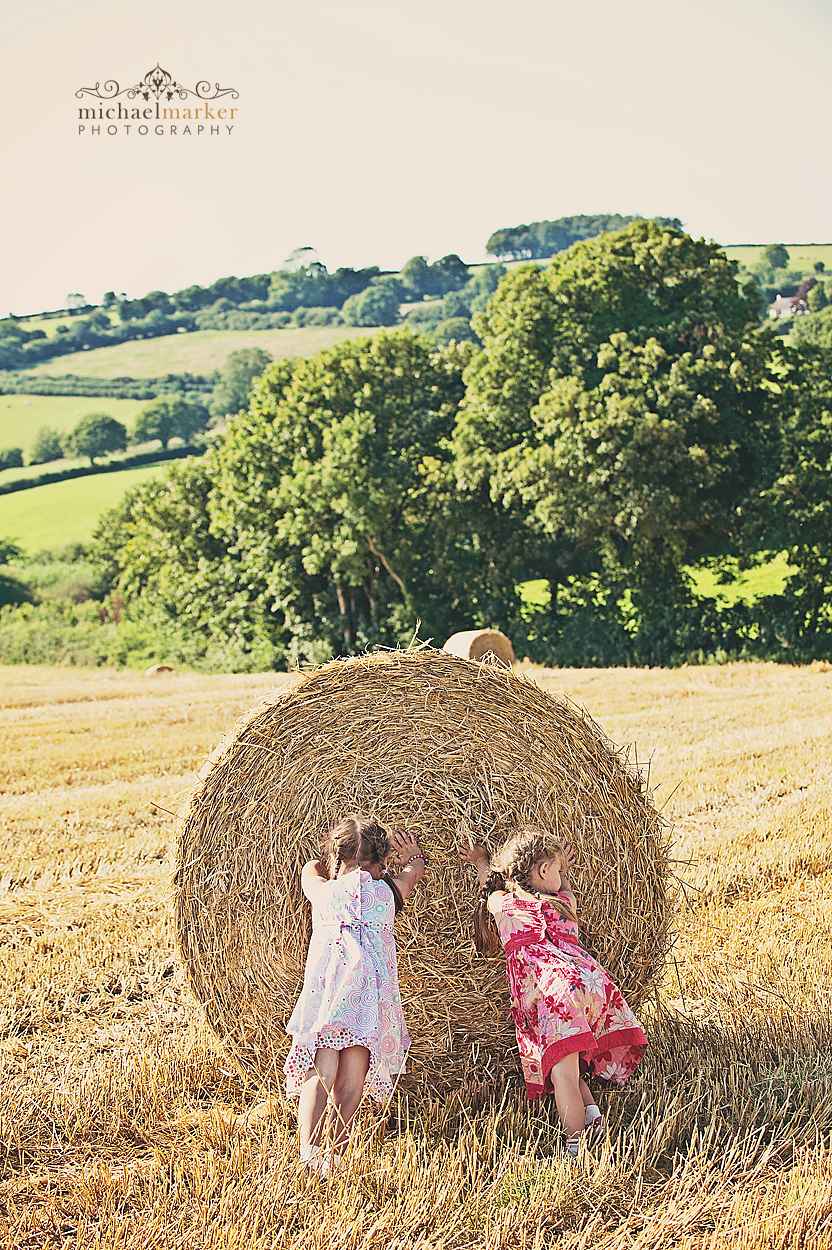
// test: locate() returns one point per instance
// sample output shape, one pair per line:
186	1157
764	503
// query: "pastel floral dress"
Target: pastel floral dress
562	1000
350	994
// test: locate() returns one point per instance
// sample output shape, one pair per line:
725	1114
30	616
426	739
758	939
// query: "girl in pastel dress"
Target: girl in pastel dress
348	1034
568	1014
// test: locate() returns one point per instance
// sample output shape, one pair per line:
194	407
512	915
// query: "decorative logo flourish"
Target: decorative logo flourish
157	82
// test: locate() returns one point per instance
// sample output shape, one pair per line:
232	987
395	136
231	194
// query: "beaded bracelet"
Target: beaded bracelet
421	855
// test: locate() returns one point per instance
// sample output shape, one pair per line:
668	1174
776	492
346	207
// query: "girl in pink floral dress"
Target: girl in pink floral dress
568	1013
348	1033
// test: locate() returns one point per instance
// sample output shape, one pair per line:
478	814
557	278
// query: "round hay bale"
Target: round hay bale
445	748
159	670
474	644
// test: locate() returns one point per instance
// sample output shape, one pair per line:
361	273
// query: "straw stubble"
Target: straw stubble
448	749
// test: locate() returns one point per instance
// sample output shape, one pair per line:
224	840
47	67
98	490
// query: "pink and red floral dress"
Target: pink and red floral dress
562	1000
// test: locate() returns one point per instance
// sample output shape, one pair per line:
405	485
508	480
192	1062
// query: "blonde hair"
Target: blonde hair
527	847
357	839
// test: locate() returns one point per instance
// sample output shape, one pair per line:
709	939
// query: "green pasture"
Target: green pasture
768	579
801	255
66	512
21	416
200	352
49	325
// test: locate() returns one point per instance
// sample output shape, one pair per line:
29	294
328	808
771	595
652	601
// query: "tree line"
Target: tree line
305	293
542	239
624	420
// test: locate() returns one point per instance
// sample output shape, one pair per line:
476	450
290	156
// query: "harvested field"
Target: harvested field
114	1100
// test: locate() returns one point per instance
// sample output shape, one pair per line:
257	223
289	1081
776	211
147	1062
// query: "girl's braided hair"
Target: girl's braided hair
357	840
528	846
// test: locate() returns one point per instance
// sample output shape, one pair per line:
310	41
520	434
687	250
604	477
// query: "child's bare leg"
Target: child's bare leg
314	1096
565	1077
586	1094
348	1090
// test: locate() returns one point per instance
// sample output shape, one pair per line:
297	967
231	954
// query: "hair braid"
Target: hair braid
485	935
526	848
375	840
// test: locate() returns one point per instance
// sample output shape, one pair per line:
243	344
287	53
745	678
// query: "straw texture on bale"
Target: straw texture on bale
475	644
447	749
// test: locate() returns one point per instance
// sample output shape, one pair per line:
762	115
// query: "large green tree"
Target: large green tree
415	277
157	548
335	489
47	446
325	520
775	256
795	511
11	458
622	409
378	305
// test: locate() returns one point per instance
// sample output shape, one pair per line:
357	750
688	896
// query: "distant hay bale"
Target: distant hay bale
159	670
445	748
475	644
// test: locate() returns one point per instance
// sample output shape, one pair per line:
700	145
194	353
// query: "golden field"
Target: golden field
116	1110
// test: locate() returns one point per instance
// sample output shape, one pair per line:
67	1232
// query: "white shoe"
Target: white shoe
318	1161
591	1113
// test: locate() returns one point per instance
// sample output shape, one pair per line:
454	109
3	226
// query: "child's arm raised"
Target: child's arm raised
477	855
412	858
312	876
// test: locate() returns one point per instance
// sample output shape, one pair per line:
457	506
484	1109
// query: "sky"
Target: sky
373	130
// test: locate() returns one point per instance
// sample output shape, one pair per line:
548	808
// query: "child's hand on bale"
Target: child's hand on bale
405	846
475	854
413	859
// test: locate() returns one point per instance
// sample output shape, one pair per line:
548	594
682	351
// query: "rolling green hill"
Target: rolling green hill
66	512
201	351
